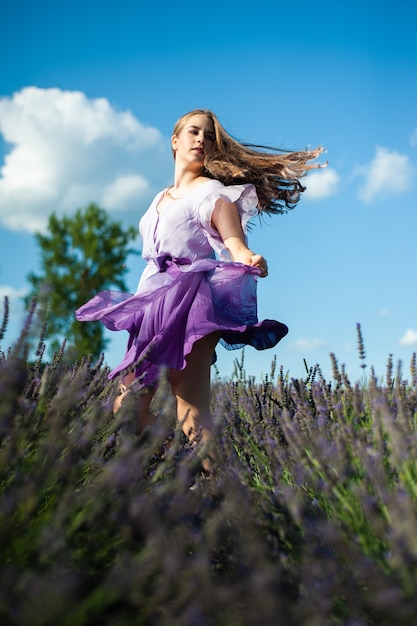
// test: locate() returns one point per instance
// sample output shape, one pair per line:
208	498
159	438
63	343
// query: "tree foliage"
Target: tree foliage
80	255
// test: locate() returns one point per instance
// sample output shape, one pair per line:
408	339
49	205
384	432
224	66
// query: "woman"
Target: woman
199	285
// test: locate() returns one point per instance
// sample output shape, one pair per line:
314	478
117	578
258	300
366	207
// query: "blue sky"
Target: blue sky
89	93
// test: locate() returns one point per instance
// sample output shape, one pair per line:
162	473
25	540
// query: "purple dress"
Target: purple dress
189	288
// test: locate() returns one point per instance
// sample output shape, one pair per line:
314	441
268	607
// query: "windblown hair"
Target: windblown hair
275	173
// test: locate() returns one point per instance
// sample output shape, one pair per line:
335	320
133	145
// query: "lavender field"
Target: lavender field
310	518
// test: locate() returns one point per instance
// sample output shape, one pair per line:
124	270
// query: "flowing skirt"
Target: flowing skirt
179	305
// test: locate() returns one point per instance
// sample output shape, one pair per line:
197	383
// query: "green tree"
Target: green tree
80	255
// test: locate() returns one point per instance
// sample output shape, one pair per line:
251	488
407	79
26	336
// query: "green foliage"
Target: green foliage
310	516
80	255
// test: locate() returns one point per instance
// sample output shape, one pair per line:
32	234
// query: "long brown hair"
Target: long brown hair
275	173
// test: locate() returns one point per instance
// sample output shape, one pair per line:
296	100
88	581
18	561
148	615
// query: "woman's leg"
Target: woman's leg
191	388
146	418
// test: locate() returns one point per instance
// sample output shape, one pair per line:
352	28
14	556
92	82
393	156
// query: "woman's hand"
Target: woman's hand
257	260
250	258
226	220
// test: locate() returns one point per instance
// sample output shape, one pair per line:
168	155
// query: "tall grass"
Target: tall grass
309	519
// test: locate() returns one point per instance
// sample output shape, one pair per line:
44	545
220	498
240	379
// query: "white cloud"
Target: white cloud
321	184
11	292
388	173
306	345
409	338
123	190
67	150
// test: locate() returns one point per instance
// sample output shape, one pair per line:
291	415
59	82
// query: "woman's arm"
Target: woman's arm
226	221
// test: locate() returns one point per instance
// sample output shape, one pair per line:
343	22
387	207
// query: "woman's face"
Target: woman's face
195	139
